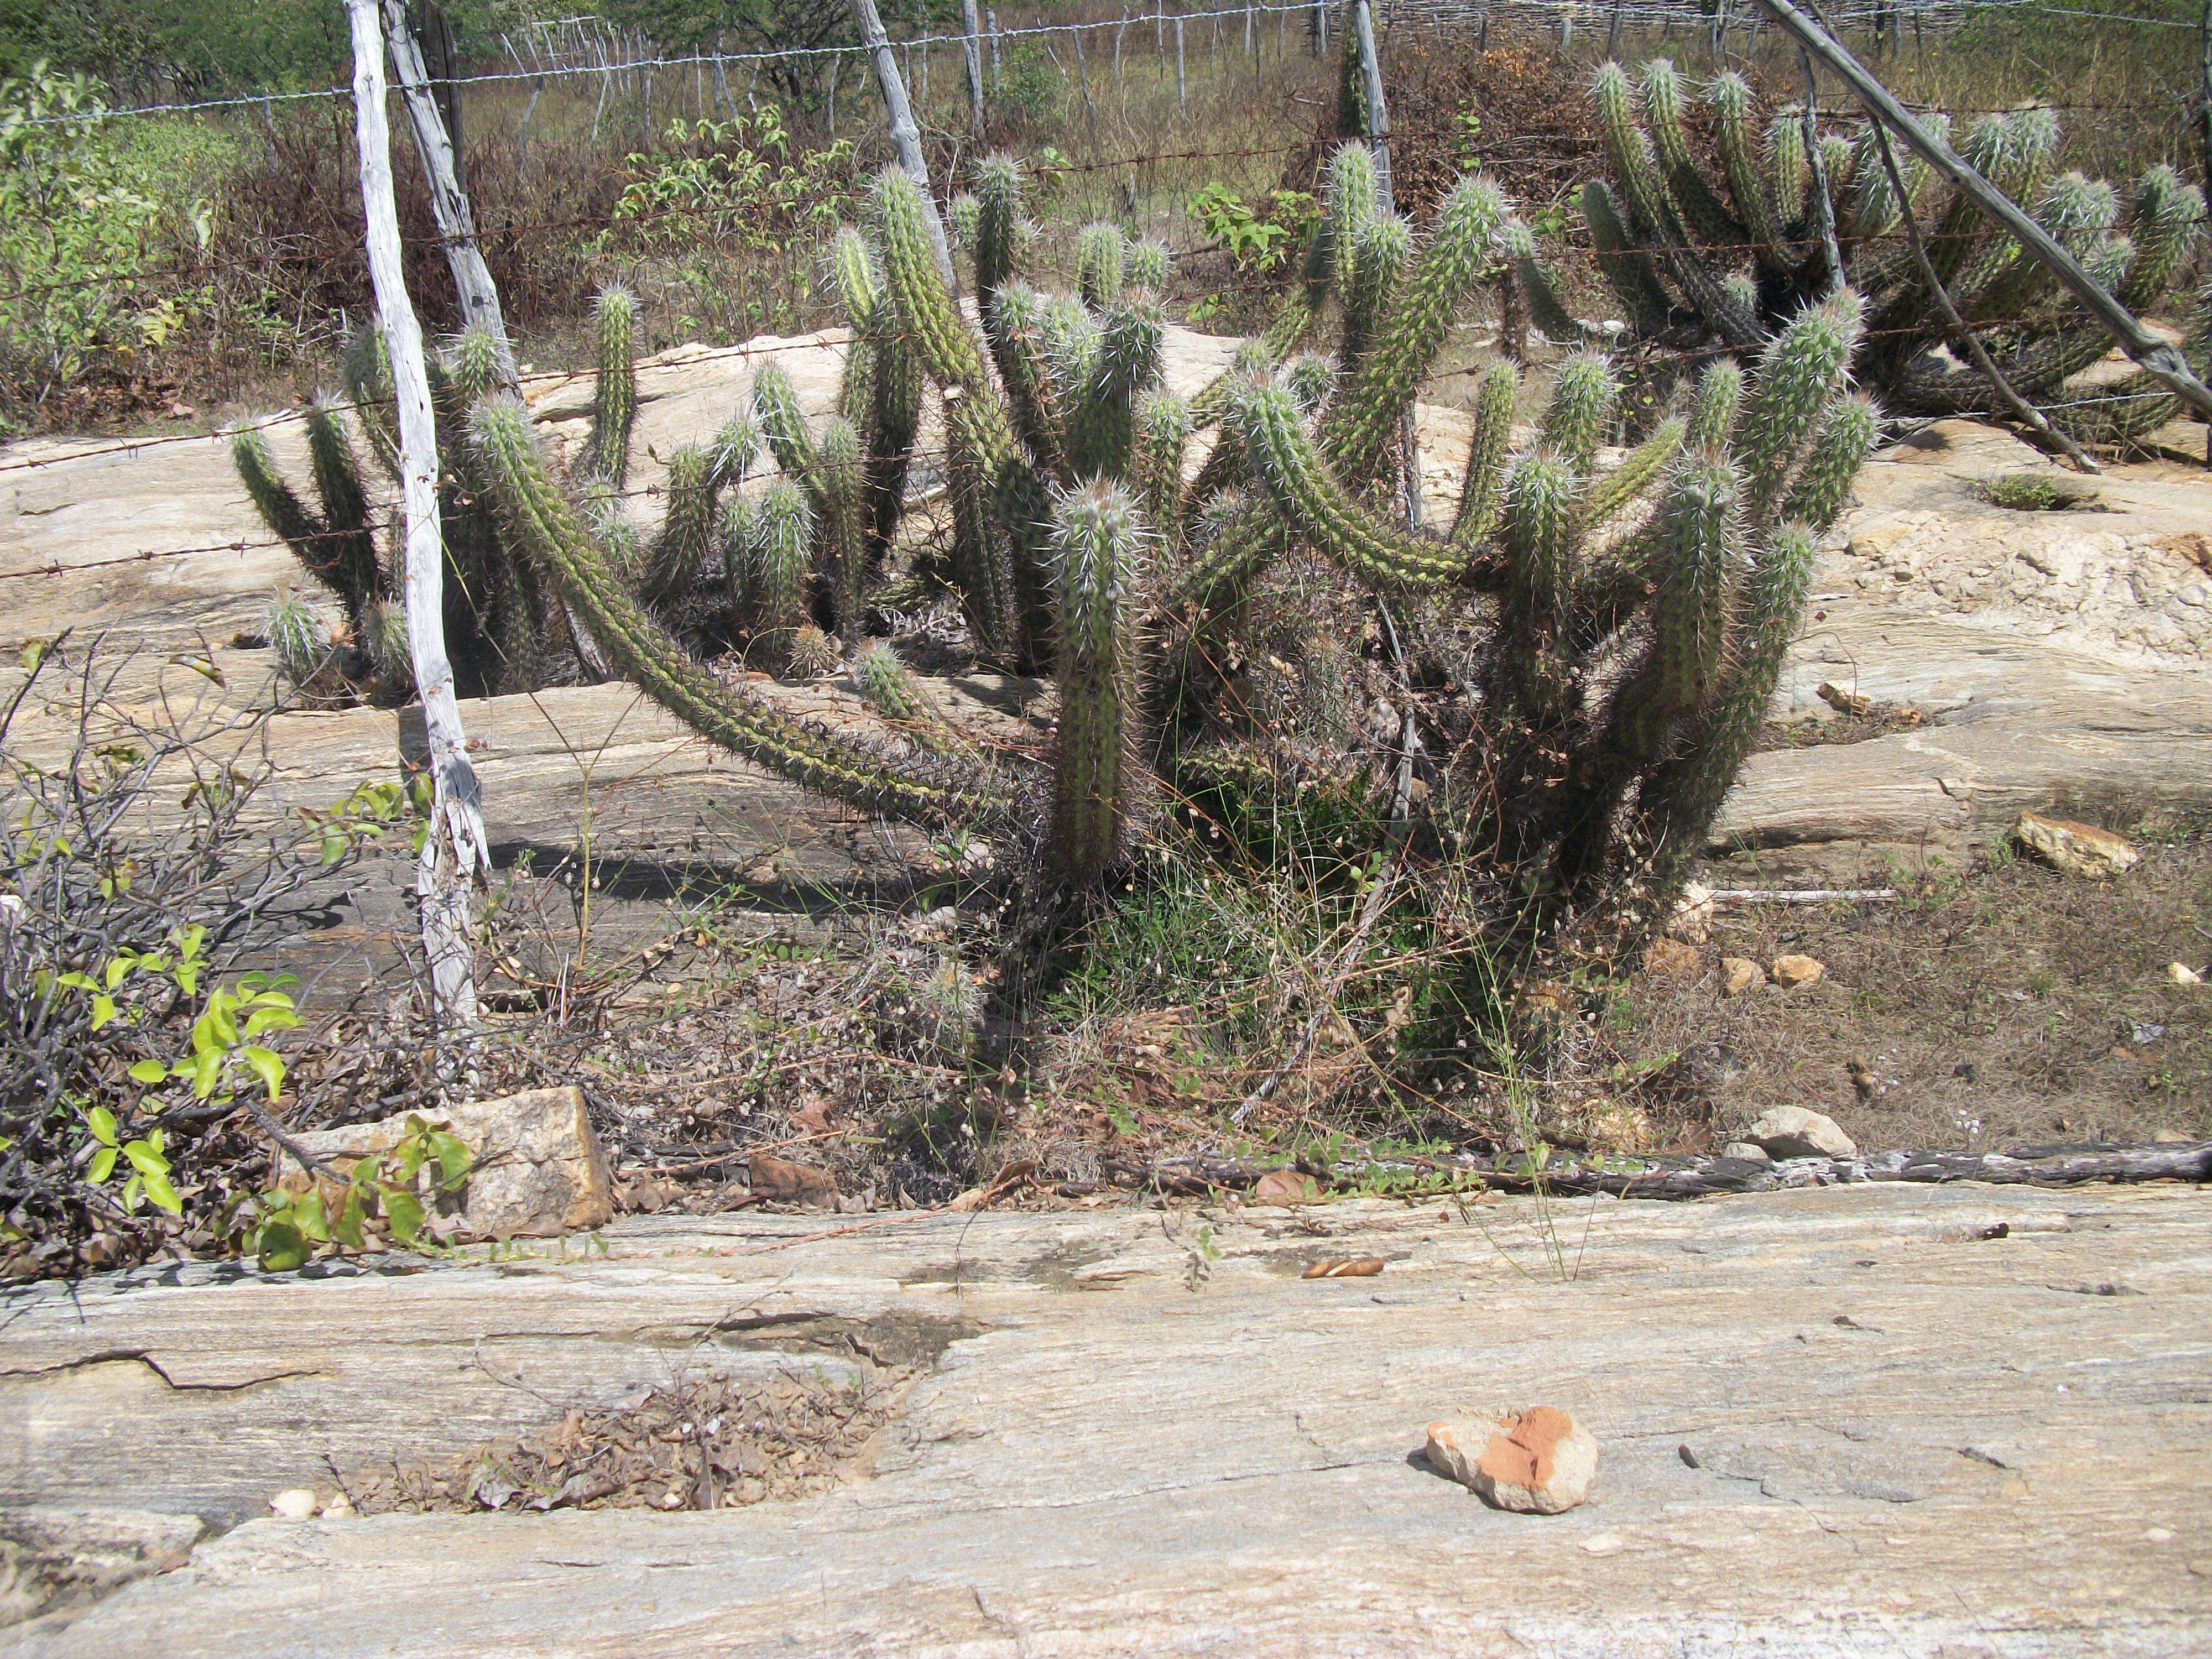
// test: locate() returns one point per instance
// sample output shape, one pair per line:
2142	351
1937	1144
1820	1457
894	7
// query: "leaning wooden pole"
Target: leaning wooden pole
449	201
971	51
454	853
1378	111
906	136
2156	357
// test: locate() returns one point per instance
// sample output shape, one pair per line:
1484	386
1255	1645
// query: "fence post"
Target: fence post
449	202
971	52
1566	29
1083	80
1377	112
906	137
991	18
454	850
1182	86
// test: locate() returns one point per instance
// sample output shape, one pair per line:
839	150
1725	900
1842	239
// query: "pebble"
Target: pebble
2180	972
1740	974
1794	1131
1748	1151
295	1503
1795	971
1537	1462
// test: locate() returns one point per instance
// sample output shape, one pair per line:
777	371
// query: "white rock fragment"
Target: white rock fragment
1794	1131
294	1504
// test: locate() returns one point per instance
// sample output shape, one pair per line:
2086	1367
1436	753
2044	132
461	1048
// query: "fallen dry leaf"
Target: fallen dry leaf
1285	1186
1358	1266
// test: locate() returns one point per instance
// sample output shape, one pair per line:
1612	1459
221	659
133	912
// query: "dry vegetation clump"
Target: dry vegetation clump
1517	110
715	1443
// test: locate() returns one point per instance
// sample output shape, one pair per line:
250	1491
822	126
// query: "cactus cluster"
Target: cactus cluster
1582	650
1727	253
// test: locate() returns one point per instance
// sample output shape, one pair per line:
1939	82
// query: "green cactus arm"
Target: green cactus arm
1032	393
1380	246
1098	255
1714	406
1737	143
736	539
1163	436
1627	482
366	372
1319	511
1789	175
1694	538
1350	201
927	315
929	790
852	269
2166	219
843	561
1482	485
1225	467
1683	794
1102	425
781	560
893	420
1629	150
1584	390
282	509
1800	374
979	450
1097	560
348	536
1703	213
734	450
1823	488
1358	428
998	224
681	551
614	394
1303	301
1144	263
776	408
1628	269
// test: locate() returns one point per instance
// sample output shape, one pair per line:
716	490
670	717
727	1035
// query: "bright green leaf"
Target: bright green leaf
403	1212
101	1123
266	1066
149	1073
101	1167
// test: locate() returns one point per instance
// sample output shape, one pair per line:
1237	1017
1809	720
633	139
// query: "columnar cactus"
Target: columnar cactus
1613	632
1690	259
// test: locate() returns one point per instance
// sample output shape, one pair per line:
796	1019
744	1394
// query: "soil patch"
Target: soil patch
721	1443
1985	1009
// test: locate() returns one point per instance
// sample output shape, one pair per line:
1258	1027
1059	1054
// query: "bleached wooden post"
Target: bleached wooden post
454	853
1378	111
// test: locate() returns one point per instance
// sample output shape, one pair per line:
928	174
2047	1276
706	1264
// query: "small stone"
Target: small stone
295	1503
1740	974
1747	1152
1794	1131
339	1509
1694	913
1539	1462
1791	971
538	1169
2180	972
2170	1138
2080	849
1670	959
